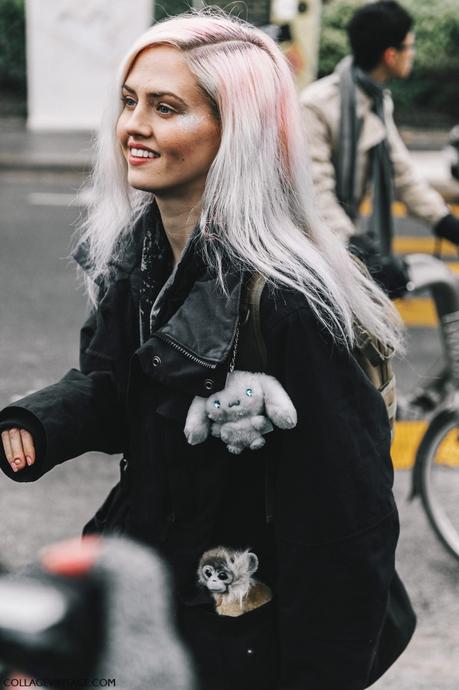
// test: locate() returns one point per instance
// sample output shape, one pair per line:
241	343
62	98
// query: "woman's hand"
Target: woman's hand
19	448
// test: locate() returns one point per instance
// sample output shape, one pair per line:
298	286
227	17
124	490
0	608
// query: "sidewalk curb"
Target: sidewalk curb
13	164
44	151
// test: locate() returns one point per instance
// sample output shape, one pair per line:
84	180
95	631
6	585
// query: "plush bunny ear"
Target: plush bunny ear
279	407
197	425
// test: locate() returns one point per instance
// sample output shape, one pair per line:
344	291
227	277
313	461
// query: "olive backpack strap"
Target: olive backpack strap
374	359
251	352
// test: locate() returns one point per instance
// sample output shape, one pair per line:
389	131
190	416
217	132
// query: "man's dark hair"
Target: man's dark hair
375	27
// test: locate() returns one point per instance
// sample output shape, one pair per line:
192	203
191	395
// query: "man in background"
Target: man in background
355	146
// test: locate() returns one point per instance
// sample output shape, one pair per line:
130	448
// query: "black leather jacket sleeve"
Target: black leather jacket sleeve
81	412
335	519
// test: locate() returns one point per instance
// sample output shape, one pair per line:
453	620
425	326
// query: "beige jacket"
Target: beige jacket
321	105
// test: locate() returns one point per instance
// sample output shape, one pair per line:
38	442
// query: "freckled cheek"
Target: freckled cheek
181	154
199	147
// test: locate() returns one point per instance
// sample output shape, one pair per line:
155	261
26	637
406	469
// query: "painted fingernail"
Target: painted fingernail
15	469
28	459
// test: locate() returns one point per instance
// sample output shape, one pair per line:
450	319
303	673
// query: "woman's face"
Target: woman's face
167	130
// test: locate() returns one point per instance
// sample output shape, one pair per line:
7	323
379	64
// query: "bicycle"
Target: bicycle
435	476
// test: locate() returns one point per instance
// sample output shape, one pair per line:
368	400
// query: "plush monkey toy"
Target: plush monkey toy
241	413
227	574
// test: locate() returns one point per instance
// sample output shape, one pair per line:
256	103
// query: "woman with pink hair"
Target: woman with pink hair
202	181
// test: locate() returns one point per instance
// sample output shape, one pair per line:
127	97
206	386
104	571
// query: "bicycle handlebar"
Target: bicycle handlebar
429	273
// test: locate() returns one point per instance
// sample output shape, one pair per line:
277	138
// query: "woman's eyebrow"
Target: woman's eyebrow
156	94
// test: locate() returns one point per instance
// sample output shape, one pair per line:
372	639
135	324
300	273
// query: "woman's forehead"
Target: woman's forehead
159	69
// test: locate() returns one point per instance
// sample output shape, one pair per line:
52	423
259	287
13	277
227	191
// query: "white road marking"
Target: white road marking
58	199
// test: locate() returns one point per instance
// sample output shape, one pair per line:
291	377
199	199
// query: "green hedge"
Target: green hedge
166	8
12	44
431	94
12	58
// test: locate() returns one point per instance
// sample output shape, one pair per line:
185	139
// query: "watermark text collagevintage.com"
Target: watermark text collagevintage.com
59	682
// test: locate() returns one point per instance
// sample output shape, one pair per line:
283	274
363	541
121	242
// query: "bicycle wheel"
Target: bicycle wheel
437	463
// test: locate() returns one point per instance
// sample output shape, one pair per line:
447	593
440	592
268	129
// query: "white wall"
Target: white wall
73	48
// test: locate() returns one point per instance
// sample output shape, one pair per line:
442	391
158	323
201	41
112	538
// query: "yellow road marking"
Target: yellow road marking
408	436
406	441
398	208
424	245
417	312
448	450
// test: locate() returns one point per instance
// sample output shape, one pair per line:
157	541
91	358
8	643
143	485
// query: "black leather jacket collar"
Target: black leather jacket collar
196	321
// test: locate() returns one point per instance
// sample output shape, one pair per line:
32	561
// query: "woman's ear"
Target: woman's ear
279	408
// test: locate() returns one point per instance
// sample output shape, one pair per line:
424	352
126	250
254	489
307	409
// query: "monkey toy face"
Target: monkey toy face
227	573
223	570
216	576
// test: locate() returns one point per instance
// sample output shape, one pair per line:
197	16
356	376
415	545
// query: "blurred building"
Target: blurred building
74	46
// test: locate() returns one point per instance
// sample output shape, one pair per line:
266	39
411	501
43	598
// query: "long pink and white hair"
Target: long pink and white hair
258	199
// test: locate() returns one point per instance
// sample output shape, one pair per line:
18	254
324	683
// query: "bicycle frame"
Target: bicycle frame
443	414
429	273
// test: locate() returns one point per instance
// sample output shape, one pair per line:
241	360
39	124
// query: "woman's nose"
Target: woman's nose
138	123
234	403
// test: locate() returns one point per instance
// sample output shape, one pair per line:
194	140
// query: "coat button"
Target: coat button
156	361
208	384
250	652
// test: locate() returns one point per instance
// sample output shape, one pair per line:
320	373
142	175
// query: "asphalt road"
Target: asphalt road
41	309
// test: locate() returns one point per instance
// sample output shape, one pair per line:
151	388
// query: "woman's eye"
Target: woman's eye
128	101
249	392
217	403
164	109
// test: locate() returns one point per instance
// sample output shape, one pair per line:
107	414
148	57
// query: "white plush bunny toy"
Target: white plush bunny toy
241	413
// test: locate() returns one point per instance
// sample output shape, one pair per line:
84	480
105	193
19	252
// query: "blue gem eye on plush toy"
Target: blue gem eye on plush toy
244	411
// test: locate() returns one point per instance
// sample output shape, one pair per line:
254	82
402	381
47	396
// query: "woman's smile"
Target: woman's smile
140	155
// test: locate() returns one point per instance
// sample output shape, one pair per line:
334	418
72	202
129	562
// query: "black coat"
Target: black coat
339	615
